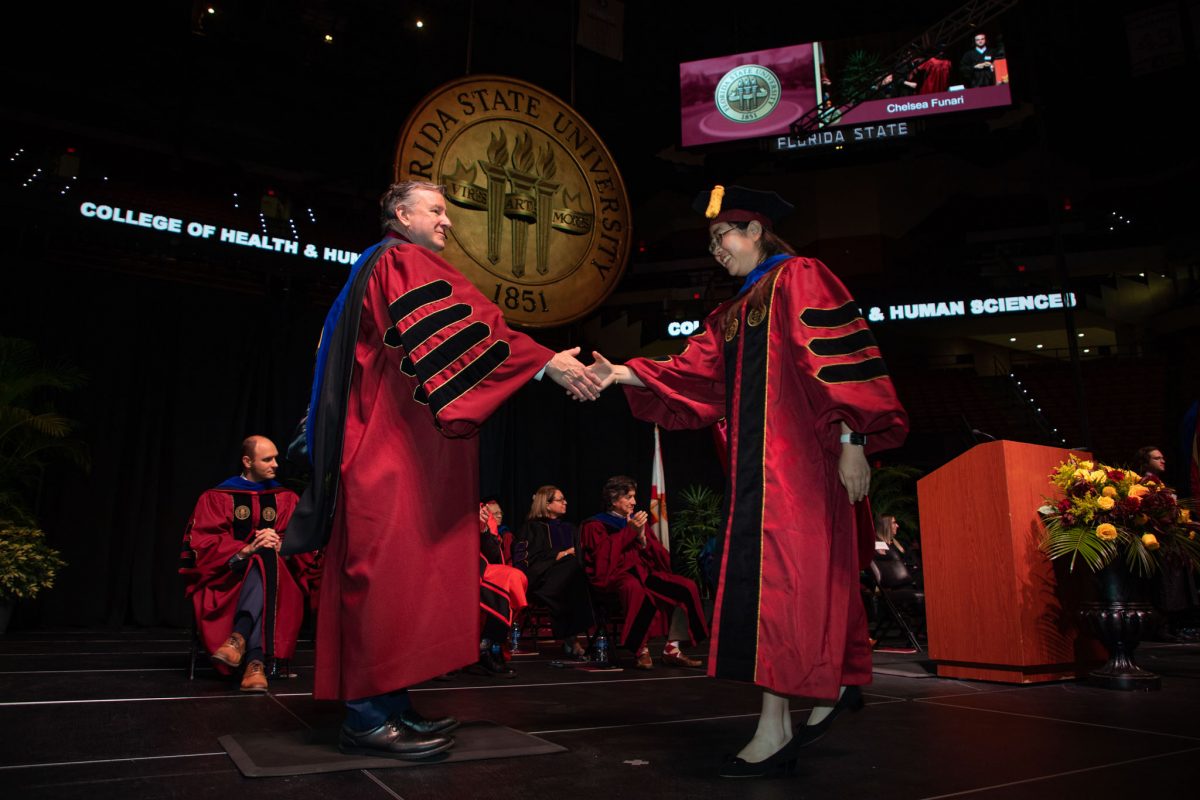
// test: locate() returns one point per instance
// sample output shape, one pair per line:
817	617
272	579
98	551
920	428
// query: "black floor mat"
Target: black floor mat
305	752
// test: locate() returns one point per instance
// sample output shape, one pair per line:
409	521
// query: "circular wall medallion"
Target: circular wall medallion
748	93
540	216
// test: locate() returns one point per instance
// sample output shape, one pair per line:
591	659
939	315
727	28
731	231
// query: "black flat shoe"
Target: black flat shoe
850	699
781	762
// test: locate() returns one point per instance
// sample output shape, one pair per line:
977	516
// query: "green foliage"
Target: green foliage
1078	543
1104	513
860	74
32	434
692	526
27	563
894	493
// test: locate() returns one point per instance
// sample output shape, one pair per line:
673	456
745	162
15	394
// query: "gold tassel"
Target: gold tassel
714	202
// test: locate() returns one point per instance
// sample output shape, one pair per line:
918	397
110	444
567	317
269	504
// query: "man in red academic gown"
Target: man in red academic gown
620	558
248	607
413	359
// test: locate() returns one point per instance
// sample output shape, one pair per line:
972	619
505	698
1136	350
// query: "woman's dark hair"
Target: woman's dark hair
772	245
615	488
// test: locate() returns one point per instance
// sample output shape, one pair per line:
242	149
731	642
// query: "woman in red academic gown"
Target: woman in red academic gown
791	366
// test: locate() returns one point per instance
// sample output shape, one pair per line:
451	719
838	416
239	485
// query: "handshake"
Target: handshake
586	382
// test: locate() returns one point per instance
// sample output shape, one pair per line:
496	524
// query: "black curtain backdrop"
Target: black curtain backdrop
180	373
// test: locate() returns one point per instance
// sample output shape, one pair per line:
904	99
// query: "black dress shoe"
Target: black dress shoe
781	762
495	668
425	727
850	699
392	740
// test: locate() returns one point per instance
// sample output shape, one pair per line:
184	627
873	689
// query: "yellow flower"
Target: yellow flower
1082	474
1087	465
1107	531
1109	491
1105	503
1185	515
1098	476
1138	490
1149	541
1192	535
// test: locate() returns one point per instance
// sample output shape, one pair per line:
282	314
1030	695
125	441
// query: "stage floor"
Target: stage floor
96	714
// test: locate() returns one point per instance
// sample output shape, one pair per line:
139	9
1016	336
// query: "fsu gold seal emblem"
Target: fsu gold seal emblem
541	219
268	514
242	512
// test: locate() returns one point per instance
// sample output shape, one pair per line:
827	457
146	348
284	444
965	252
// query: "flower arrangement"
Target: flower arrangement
1105	512
27	563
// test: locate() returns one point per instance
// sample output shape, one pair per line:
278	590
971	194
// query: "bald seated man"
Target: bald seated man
248	600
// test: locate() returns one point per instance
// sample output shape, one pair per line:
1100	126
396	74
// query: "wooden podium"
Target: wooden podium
994	608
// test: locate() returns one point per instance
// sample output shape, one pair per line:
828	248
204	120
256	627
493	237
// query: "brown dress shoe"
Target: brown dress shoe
255	678
230	654
678	659
644	661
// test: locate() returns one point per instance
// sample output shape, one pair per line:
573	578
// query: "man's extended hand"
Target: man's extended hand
566	370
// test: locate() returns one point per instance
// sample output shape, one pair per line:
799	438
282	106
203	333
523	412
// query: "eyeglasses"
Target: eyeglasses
558	500
719	237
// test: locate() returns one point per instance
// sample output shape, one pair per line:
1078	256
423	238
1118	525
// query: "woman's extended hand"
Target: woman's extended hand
854	471
608	373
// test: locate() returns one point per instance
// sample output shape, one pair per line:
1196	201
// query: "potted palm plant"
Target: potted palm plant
694	529
33	435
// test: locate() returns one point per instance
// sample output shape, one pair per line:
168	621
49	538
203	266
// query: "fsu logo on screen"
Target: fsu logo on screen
747	94
540	215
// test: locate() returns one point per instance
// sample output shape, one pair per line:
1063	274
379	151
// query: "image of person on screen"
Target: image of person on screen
977	65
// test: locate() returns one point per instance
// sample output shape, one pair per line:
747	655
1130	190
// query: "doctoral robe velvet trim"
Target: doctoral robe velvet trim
781	378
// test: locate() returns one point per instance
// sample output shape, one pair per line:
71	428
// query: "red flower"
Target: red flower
1064	506
1116	475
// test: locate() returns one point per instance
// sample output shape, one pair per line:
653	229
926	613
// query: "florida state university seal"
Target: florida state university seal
541	219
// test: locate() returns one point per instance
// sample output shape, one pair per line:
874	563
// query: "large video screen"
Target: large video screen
761	93
943	78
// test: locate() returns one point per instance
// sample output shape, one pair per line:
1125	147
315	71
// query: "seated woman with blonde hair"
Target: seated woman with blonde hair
556	577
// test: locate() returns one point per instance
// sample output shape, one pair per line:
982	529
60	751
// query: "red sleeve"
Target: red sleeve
456	343
659	557
683	391
209	536
306	570
837	360
603	557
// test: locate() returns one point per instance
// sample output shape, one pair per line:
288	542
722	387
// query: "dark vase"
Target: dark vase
1120	619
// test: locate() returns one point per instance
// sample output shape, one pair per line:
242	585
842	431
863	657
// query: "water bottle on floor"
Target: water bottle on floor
602	648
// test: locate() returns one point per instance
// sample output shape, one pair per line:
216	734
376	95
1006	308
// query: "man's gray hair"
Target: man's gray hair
401	194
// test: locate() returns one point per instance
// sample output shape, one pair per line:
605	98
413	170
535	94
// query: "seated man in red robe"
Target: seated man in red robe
248	607
619	557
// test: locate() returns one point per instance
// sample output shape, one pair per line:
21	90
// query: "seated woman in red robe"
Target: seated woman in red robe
620	558
502	595
550	556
